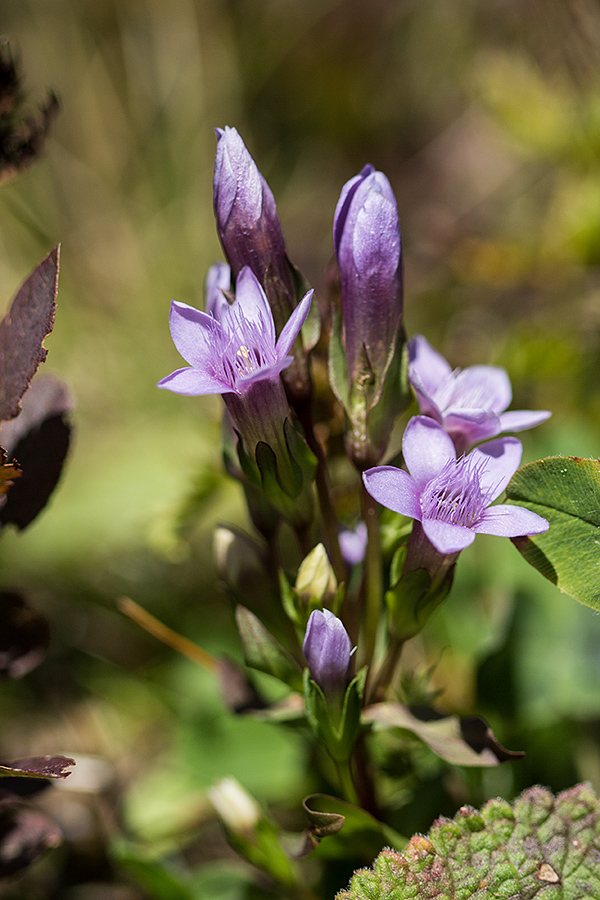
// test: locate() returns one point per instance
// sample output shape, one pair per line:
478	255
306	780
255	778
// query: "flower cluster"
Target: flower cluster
328	615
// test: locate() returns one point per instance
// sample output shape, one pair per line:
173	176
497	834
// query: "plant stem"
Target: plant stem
387	670
346	782
327	512
373	580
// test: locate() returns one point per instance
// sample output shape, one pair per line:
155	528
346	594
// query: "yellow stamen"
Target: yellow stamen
244	356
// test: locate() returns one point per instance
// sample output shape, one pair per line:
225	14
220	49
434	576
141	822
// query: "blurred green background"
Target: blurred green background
486	118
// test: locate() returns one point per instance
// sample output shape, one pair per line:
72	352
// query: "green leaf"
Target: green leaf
542	847
565	491
263	652
466	741
154	876
362	836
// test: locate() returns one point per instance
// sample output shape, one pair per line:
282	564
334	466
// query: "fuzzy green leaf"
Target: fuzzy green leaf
540	848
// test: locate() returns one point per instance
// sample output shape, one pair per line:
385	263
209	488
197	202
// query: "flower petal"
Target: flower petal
426	449
522	418
292	327
470	426
481	387
193	382
395	489
511	521
345	201
499	461
252	301
446	537
264	373
192	332
427	366
218	279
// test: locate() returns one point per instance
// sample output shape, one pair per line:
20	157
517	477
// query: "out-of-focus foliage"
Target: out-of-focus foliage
485	116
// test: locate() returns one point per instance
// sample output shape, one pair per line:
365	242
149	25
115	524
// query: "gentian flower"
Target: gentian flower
469	403
251	235
246	215
328	652
234	352
353	544
451	496
366	238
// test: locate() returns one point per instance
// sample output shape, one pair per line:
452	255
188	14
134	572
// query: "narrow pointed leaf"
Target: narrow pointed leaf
22	333
263	652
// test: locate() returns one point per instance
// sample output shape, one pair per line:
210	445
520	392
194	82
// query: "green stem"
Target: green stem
327	512
346	783
386	671
304	539
373	580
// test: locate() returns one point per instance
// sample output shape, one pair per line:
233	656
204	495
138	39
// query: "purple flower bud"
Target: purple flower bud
366	237
246	214
328	652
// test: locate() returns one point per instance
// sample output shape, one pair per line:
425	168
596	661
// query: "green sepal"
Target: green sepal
300	453
311	330
336	726
264	652
376	400
291	495
412	599
338	374
351	710
290	601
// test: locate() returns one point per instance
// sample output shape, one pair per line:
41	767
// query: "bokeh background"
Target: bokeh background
486	118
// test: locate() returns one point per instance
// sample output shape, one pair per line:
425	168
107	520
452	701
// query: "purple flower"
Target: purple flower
469	403
451	496
366	238
353	544
216	283
246	214
234	352
328	652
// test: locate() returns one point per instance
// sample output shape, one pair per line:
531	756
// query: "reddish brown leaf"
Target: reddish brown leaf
37	767
39	439
22	333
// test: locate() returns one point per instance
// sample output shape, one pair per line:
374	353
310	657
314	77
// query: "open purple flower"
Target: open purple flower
328	652
451	496
235	352
469	403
